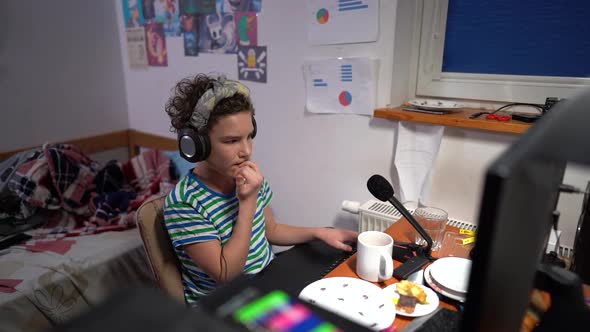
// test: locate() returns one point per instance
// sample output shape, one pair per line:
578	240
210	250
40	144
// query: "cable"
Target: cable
539	106
478	114
567	188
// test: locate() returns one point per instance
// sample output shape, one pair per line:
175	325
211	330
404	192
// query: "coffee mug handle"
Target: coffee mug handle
385	267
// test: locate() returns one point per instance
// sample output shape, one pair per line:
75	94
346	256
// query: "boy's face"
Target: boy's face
231	144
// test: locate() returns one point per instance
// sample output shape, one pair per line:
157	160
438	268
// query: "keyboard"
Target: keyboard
304	264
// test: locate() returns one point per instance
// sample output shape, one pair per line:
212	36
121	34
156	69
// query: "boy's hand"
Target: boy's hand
337	237
248	180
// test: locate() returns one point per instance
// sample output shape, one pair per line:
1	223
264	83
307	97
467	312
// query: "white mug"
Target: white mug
373	258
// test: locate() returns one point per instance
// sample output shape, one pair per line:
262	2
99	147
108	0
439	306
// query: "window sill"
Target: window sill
456	119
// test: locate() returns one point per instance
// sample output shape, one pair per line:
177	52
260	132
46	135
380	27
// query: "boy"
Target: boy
218	216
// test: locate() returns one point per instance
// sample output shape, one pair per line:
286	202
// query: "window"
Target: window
503	50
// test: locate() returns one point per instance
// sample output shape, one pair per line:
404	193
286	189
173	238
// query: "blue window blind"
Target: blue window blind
518	37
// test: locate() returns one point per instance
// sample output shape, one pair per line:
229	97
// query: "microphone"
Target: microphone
383	191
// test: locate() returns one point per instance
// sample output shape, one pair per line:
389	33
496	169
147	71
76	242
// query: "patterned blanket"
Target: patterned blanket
77	194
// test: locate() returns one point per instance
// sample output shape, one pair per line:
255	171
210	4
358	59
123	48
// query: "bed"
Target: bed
79	213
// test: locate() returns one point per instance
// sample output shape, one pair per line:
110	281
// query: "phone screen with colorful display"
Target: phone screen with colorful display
273	311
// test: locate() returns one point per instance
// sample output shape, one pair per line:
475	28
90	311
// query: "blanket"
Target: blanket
78	195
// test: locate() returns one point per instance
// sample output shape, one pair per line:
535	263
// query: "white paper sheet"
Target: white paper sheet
340	85
415	153
342	21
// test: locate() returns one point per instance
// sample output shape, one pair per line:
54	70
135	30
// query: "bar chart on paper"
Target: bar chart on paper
340	85
342	21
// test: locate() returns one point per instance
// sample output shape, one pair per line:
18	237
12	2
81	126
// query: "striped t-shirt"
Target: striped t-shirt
194	213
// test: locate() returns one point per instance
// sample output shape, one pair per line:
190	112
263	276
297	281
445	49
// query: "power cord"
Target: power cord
478	114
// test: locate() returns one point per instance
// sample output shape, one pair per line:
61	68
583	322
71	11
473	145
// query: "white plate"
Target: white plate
421	309
452	273
355	299
430	104
439	289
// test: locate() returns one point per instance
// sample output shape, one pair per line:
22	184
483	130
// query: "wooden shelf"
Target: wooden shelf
455	119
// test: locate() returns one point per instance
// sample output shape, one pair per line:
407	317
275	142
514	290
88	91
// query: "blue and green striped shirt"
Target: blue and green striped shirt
194	213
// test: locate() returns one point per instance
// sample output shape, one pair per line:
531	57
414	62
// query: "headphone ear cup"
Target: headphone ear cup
193	146
255	127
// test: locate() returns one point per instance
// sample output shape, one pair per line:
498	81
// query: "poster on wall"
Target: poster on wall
217	30
136	47
192	7
189	26
342	21
244	5
157	54
252	63
167	12
247	28
148	9
340	85
132	14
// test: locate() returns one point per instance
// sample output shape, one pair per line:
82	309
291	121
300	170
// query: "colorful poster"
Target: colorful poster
192	7
342	21
241	5
148	9
132	14
189	26
252	63
168	13
136	47
217	31
341	85
247	28
157	54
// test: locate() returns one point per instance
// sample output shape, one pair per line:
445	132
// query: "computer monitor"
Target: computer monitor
516	214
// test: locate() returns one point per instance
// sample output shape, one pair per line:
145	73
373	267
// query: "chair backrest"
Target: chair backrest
156	242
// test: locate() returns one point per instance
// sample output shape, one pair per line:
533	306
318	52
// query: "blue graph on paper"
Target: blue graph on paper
319	82
346	5
346	73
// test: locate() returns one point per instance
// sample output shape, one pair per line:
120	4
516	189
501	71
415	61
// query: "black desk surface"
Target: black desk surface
291	270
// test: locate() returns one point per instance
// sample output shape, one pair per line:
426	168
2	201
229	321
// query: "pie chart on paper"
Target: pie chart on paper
345	98
322	16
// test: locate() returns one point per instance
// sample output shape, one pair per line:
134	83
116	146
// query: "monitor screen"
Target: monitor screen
516	214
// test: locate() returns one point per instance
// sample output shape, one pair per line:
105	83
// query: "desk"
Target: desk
305	263
400	231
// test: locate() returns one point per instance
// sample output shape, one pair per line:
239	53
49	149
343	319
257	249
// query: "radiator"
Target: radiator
375	215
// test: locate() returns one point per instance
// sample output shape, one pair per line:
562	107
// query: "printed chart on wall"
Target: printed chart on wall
341	85
342	21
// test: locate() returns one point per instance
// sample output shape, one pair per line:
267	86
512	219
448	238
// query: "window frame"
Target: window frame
431	81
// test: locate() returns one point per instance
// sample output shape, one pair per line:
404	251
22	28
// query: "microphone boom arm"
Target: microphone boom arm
402	209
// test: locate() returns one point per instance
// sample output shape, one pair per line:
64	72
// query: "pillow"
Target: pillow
181	165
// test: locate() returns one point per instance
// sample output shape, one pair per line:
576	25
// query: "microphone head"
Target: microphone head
380	187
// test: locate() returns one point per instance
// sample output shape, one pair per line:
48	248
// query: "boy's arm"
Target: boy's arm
208	255
285	235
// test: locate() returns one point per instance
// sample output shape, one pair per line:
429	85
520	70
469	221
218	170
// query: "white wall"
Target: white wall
60	71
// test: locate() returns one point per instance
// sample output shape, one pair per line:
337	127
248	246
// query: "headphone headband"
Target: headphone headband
222	88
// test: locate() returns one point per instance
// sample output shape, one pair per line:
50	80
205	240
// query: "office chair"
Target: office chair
156	242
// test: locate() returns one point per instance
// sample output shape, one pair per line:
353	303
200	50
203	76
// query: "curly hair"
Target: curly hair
186	93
